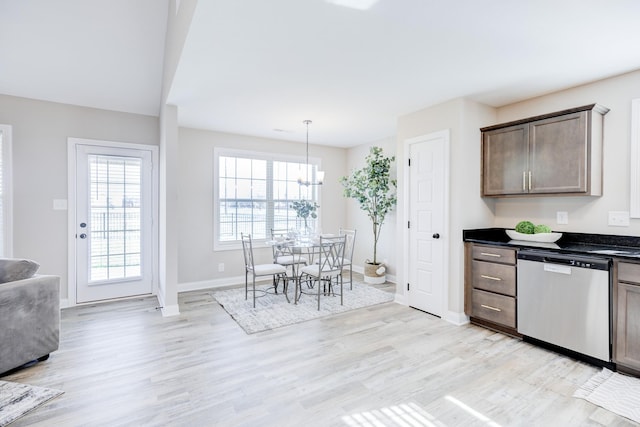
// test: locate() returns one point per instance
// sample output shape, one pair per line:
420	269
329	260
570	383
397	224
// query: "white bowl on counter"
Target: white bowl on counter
538	237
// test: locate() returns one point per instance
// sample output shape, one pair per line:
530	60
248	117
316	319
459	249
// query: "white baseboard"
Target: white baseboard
213	284
456	318
239	280
167	310
172	310
401	299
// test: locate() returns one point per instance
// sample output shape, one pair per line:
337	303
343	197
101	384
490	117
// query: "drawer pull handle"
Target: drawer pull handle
488	254
490	277
489	307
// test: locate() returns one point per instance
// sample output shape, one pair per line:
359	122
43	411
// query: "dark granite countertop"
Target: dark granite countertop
601	245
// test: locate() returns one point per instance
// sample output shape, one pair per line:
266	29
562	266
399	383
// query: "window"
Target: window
6	201
253	193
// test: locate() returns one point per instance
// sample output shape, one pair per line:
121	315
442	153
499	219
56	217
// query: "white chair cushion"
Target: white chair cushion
312	270
291	259
267	269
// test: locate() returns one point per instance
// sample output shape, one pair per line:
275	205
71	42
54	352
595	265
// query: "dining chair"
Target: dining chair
277	271
348	251
330	252
283	255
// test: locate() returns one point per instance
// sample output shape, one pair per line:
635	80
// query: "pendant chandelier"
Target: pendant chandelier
303	177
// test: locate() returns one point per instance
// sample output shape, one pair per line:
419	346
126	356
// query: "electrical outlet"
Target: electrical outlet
619	218
562	217
221	267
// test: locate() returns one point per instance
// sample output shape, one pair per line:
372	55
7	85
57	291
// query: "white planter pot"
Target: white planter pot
375	274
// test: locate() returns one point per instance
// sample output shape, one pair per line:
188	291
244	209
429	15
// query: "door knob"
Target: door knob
83	225
436	236
83	236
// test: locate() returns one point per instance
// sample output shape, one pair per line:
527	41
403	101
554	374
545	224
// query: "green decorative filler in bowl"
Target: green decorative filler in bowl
528	232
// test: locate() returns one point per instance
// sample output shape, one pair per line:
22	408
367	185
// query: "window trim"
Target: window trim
7	191
259	155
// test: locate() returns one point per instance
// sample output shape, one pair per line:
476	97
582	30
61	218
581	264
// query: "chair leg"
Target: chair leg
298	290
341	290
285	286
254	291
351	276
246	285
319	286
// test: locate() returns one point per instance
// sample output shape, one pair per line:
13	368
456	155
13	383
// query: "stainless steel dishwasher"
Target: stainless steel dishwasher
564	299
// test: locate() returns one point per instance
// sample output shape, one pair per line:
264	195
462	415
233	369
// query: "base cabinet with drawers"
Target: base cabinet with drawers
490	286
627	340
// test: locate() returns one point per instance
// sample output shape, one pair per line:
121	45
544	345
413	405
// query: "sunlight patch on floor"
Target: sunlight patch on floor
409	415
472	411
403	415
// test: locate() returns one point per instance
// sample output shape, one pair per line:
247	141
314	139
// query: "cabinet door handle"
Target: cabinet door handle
488	254
529	180
524	180
489	307
490	277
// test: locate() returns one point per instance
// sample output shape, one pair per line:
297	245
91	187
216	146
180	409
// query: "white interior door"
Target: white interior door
114	222
428	234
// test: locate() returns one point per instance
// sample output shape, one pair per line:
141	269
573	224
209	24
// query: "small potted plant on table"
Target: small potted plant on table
305	209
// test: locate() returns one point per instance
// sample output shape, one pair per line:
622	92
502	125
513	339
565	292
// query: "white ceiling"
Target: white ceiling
96	53
253	66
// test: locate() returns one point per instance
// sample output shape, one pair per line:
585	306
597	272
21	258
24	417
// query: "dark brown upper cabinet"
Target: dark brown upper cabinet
553	154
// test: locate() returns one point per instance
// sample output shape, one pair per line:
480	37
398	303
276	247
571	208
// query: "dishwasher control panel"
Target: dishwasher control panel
572	260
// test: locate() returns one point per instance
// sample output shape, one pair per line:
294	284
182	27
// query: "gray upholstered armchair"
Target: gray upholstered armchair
29	320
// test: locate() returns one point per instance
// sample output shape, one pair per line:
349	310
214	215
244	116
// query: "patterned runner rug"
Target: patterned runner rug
17	399
273	311
614	392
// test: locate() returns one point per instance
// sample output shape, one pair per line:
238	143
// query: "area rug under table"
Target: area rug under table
614	392
273	311
17	399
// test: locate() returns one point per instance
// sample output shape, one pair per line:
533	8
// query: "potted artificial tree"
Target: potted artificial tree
375	191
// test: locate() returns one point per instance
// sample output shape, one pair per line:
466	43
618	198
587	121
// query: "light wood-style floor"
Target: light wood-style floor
123	364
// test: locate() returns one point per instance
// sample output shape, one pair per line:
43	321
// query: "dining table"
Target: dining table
309	247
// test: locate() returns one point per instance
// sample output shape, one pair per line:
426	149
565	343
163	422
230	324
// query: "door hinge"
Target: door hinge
409	162
408	224
408	286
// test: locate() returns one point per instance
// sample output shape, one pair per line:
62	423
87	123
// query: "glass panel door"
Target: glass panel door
113	236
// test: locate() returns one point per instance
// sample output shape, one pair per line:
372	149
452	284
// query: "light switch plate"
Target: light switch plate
59	204
562	217
619	218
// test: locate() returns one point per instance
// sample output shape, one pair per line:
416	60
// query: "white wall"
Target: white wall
358	220
586	214
40	132
197	262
